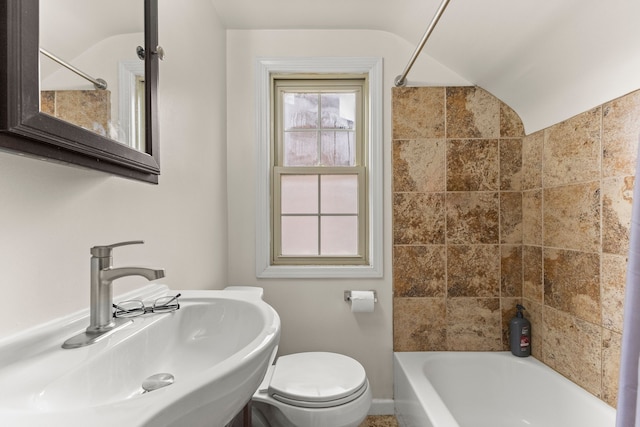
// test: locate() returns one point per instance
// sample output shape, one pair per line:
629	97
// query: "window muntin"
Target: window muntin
319	172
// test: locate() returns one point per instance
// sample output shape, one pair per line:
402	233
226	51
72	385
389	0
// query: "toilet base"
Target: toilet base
267	412
264	415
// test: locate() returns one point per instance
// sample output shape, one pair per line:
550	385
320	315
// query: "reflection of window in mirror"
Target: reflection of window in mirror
139	114
131	108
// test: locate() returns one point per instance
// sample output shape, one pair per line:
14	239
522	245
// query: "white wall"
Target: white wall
313	313
51	214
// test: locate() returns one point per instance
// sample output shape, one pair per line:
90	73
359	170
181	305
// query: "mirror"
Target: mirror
90	72
47	108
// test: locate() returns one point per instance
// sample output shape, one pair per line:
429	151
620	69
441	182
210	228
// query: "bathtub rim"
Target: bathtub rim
429	399
430	405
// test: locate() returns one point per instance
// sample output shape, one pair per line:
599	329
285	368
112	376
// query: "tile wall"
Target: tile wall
577	182
485	217
89	109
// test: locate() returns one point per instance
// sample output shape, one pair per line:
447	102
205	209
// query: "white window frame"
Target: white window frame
265	68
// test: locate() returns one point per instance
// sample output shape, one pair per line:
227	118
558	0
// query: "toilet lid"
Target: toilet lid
317	379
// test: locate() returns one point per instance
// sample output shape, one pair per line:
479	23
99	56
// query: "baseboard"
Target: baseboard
382	407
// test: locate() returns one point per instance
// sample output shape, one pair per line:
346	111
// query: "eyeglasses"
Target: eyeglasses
134	308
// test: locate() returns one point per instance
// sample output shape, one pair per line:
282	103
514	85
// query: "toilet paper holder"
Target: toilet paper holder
347	296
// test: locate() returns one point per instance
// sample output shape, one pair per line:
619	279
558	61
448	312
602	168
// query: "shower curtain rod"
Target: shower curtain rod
97	83
401	80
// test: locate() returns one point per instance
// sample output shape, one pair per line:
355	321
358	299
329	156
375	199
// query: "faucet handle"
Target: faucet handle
105	251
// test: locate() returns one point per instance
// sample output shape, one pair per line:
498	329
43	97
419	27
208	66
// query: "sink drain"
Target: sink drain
157	381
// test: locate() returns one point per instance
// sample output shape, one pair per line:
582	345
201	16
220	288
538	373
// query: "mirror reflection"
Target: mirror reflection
84	44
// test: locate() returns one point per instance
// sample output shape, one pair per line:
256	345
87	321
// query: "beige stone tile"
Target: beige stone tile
473	165
532	150
620	131
419	218
510	217
532	217
510	124
419	165
419	271
419	324
418	112
613	276
572	150
473	271
572	216
611	344
572	283
532	288
48	102
474	324
472	217
511	271
572	347
89	109
511	164
617	196
472	112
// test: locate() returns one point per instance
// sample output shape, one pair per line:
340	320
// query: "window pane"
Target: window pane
299	194
299	235
339	235
339	194
318	166
300	111
338	110
300	149
338	148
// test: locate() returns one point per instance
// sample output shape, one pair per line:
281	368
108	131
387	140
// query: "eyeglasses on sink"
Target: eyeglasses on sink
133	308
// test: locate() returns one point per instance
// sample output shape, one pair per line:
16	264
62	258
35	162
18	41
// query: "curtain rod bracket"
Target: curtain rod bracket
400	82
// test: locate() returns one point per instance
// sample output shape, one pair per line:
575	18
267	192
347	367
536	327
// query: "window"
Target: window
319	173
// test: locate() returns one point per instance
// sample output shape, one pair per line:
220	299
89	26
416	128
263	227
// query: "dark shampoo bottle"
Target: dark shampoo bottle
520	334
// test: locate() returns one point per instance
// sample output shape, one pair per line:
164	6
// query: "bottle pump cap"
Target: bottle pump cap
519	308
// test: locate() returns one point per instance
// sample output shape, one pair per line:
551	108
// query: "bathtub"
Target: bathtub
490	389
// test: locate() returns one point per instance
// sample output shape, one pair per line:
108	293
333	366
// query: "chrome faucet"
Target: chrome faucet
101	320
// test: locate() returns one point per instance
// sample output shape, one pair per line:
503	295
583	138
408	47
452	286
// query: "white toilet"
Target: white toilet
313	389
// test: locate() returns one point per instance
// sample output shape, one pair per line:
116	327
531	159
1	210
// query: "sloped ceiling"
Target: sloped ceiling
70	27
548	60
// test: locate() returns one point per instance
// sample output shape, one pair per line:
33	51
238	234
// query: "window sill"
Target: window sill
318	272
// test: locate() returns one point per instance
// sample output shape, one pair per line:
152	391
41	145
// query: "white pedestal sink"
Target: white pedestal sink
217	347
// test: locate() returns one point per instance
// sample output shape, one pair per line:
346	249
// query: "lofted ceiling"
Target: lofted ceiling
69	27
547	59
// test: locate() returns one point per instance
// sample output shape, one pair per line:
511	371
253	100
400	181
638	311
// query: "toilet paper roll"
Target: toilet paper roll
362	301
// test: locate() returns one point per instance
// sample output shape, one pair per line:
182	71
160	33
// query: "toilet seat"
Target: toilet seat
317	380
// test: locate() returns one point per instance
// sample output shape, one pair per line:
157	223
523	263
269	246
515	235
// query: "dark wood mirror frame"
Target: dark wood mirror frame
24	129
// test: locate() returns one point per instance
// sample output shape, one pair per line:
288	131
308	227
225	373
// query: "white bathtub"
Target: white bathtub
490	389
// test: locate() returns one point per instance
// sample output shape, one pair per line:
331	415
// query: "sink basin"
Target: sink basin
217	347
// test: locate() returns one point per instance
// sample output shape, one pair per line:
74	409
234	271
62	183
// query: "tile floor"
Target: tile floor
380	421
